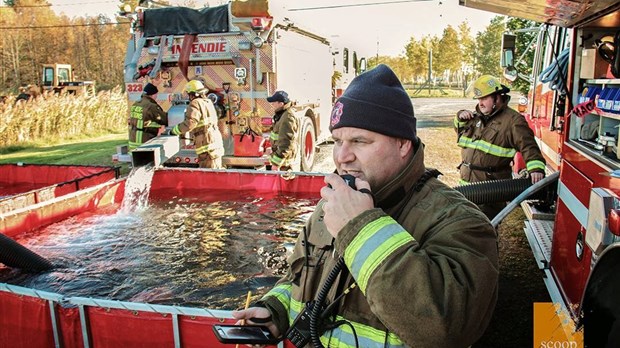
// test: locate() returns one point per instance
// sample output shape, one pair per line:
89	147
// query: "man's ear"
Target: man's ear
405	146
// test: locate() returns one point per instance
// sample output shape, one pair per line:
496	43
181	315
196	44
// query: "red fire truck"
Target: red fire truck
575	114
242	52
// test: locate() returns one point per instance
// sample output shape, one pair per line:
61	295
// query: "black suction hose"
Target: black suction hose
14	254
494	190
318	305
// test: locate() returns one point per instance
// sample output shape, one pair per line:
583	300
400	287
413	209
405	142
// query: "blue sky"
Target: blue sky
385	29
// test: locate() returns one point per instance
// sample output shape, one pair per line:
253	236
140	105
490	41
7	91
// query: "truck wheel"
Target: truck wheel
308	143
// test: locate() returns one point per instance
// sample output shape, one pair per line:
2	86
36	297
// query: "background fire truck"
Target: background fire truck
576	118
243	52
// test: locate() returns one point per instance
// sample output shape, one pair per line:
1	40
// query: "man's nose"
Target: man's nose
344	154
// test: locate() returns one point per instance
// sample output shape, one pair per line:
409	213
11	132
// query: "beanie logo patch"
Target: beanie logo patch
336	113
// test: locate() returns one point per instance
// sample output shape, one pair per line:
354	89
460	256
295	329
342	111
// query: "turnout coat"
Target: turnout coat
424	263
489	144
145	119
202	123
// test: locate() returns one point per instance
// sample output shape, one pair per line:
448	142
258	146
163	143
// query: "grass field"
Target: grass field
96	150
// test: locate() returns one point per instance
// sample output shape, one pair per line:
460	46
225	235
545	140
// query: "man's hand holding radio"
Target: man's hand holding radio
465	115
342	203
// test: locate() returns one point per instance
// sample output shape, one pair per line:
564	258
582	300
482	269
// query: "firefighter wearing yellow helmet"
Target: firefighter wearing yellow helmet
202	123
491	136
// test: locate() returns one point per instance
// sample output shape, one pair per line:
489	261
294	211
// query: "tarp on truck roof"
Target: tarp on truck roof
184	20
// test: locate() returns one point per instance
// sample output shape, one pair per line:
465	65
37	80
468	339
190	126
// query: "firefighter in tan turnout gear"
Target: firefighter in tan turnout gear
418	263
146	118
491	136
201	121
284	133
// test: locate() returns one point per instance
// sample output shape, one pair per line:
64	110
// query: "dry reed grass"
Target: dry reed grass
59	117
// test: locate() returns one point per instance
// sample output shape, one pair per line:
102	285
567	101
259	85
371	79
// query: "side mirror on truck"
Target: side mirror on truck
508	50
507	57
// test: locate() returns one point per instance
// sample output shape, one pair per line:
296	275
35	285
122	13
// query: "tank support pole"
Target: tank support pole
84	324
175	330
54	321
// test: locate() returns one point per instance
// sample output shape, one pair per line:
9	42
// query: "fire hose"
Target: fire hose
523	196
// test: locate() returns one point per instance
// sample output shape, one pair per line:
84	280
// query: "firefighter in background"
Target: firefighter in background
491	136
284	132
146	118
201	121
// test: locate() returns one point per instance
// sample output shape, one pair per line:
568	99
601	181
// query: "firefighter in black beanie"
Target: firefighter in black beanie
417	261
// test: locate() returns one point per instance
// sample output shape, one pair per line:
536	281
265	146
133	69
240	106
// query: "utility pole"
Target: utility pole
429	79
430	70
377	59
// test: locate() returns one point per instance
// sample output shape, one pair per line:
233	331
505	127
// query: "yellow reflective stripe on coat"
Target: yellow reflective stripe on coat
133	145
486	147
458	123
342	336
535	164
153	125
372	245
139	133
274	136
203	149
282	293
211	151
275	159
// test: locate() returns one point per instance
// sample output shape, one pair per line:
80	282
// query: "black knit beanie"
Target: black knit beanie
150	89
376	101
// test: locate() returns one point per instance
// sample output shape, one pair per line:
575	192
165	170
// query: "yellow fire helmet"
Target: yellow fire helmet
194	86
486	85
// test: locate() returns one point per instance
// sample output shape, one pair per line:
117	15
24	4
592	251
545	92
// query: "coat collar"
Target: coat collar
396	189
497	111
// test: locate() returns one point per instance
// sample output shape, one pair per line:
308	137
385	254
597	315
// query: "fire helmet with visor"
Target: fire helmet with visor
486	85
194	86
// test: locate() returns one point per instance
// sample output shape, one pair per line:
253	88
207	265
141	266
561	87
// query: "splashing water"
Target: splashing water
137	188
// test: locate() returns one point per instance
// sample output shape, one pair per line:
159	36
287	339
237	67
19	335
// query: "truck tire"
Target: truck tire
308	144
600	308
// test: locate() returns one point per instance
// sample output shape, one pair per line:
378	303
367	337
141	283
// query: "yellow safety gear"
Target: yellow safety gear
486	85
194	86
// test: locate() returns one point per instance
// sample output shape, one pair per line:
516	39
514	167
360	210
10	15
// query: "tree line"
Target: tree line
458	57
33	35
